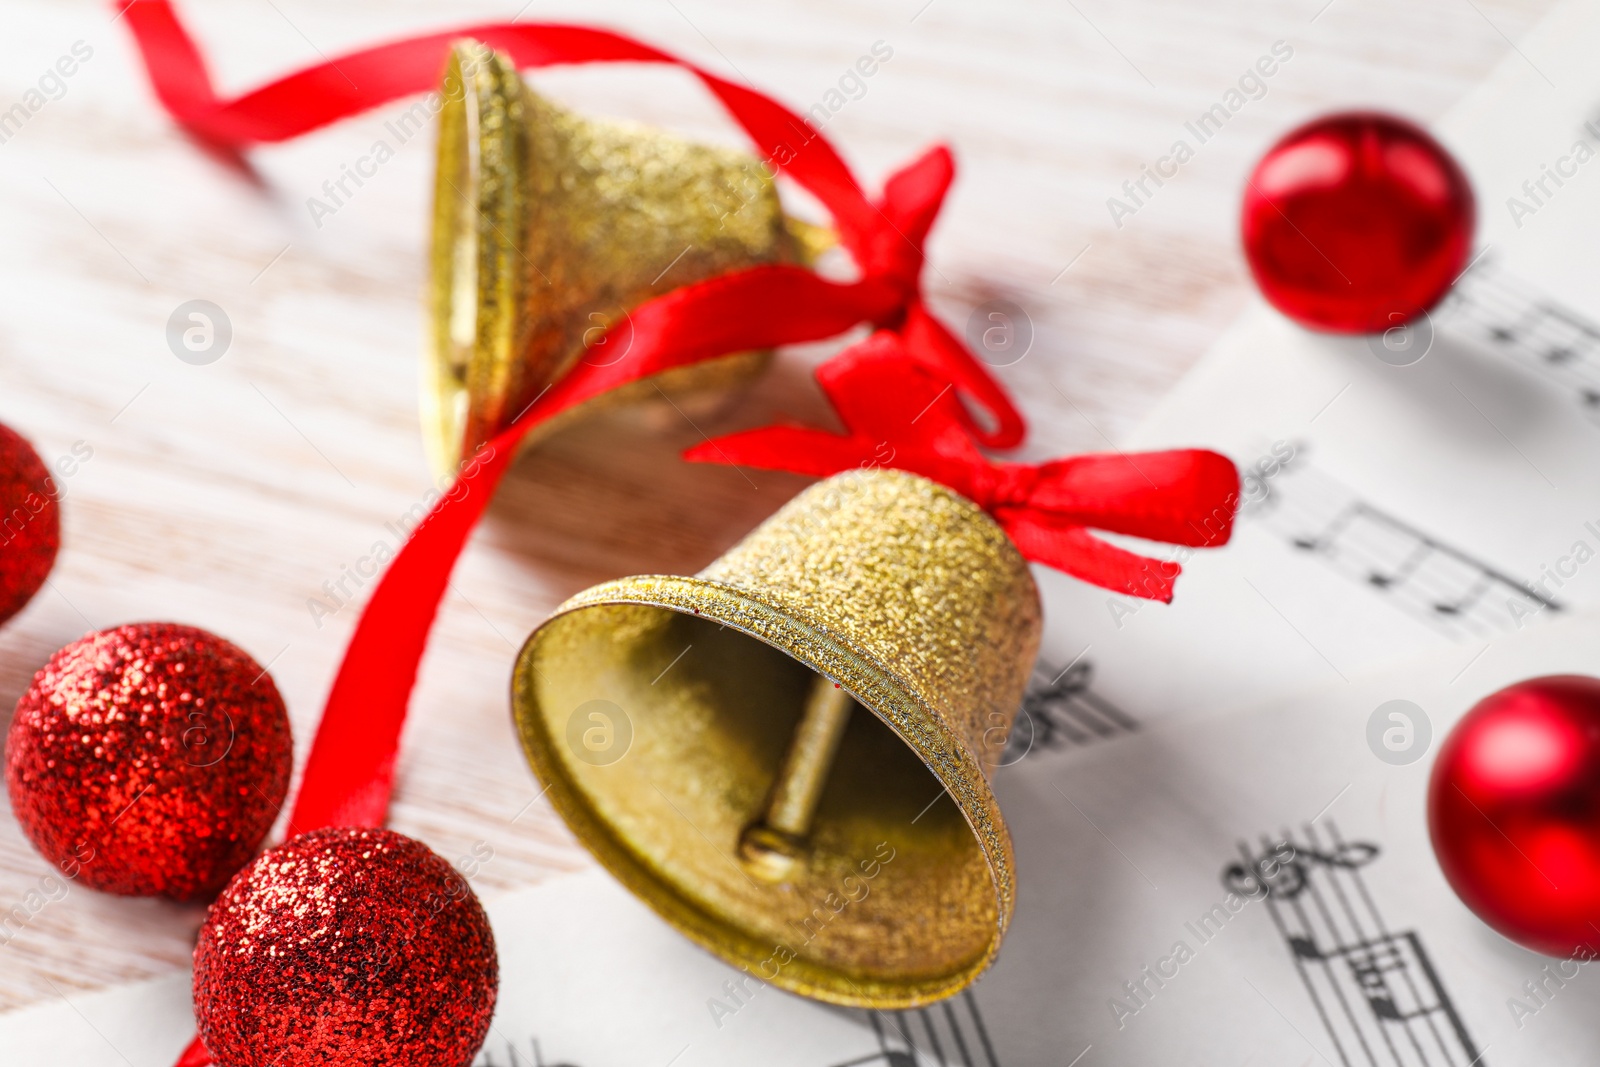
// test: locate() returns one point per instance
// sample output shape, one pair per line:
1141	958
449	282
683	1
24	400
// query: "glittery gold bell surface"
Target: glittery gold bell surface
549	228
659	710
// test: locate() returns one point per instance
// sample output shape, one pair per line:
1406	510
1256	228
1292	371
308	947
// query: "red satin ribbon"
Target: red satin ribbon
898	416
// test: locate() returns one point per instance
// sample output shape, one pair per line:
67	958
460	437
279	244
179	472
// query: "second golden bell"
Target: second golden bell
787	755
549	228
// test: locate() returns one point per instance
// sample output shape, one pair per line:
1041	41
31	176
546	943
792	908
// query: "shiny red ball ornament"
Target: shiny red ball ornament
348	947
30	522
1357	223
1514	812
149	760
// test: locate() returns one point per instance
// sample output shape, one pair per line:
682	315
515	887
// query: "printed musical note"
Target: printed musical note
1059	709
951	1033
1511	316
1347	956
1418	573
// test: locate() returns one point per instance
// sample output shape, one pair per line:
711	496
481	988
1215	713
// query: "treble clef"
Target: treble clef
1280	871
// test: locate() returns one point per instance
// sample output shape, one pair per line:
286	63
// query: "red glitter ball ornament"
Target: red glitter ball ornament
1514	812
1357	223
347	947
149	760
30	523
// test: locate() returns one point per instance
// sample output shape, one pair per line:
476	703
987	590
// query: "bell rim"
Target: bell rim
857	673
479	142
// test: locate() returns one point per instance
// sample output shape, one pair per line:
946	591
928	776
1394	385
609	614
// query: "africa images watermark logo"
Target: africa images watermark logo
199	332
1399	732
599	732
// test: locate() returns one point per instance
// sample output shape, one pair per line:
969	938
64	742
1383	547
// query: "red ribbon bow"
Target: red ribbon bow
899	416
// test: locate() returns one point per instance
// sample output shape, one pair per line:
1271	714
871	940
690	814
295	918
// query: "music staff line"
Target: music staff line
1511	316
1060	709
1344	962
898	1042
1422	574
1425	545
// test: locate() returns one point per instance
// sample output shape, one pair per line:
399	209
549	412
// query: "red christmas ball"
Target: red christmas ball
1357	222
1514	812
347	947
149	760
30	523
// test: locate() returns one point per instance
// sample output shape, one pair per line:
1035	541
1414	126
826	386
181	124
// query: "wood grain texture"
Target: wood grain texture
226	495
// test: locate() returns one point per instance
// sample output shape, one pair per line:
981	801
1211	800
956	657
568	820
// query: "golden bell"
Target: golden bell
704	737
548	228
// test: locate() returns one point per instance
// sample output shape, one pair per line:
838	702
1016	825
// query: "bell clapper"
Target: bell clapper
774	844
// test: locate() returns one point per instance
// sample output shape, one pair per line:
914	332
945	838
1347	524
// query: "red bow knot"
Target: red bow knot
899	416
893	247
996	486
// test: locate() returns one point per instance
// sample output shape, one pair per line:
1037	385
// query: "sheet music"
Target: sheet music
1394	509
1353	951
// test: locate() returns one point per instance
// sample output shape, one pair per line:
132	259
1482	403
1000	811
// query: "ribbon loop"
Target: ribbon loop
912	197
898	416
937	351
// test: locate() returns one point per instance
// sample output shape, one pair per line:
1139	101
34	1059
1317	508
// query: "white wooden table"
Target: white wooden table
226	495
